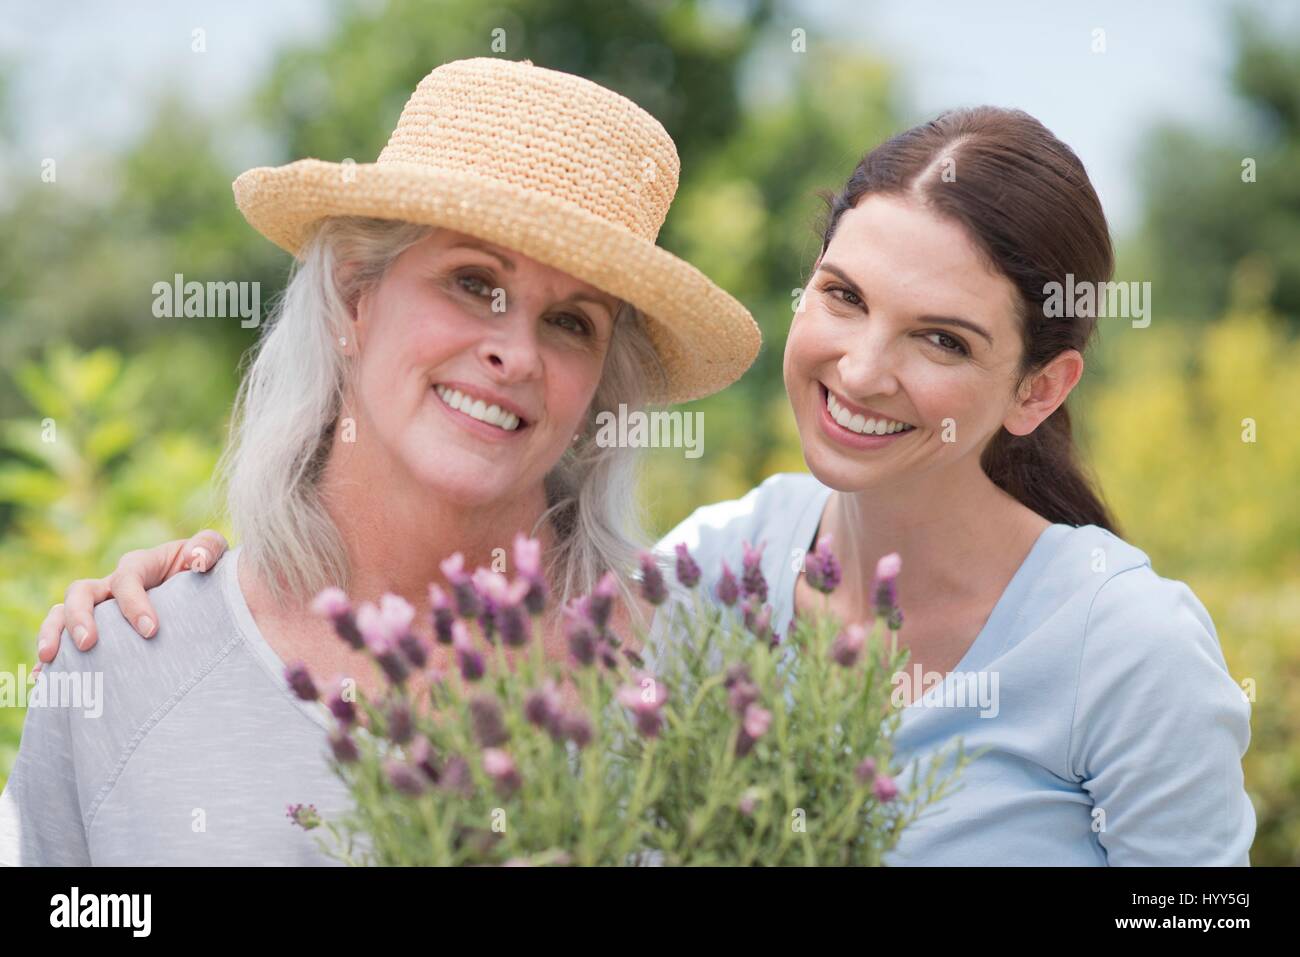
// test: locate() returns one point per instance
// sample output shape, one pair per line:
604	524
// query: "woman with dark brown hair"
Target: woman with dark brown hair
929	382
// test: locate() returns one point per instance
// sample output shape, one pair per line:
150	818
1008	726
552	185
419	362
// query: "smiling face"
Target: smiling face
904	357
476	367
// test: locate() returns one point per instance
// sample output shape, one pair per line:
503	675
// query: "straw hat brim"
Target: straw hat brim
704	337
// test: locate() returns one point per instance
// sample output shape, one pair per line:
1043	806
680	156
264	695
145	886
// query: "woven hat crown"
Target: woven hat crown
543	131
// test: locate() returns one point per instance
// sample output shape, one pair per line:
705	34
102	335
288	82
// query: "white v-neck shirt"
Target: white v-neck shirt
1118	731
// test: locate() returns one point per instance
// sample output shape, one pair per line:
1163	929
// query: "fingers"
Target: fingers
47	639
79	603
140	570
203	550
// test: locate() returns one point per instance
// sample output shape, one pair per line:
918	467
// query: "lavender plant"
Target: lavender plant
740	746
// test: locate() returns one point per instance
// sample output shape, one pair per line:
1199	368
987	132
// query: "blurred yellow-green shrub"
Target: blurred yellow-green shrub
87	476
1192	435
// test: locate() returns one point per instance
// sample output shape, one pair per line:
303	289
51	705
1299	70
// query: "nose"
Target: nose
510	351
868	366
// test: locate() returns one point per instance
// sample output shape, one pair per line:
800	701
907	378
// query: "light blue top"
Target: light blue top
1116	733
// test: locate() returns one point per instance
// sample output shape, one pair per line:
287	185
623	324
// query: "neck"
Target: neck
954	533
396	530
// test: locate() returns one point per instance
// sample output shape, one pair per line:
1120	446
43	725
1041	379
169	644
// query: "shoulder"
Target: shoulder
1150	658
139	678
768	511
194	621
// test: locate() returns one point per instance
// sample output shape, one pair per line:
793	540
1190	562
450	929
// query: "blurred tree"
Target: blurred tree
1205	214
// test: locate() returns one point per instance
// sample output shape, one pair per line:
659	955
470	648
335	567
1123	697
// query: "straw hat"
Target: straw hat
551	165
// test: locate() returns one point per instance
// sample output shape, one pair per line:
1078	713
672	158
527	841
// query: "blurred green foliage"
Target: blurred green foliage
100	453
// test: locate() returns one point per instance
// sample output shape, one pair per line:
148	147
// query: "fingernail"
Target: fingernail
199	559
36	668
79	637
145	625
42	647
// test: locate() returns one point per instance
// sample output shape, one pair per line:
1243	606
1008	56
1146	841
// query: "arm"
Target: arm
135	572
1160	728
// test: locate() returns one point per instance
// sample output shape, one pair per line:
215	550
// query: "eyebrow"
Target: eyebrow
510	267
484	248
939	320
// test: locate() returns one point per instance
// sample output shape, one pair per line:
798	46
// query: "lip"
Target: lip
481	429
855	440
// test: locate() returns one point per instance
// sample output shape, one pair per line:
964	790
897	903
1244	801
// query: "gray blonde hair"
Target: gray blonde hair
289	401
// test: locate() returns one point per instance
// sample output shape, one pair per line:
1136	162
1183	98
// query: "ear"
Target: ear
342	273
1043	392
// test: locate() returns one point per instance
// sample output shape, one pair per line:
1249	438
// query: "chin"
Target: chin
462	481
839	473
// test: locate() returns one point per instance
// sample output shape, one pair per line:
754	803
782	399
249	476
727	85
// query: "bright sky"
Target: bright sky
86	69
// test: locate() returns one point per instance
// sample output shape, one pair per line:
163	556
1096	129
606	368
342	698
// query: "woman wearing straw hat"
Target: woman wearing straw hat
928	378
459	313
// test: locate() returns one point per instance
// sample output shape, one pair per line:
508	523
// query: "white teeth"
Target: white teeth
478	409
859	423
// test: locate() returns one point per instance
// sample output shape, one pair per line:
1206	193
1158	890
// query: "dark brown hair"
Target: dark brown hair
1025	199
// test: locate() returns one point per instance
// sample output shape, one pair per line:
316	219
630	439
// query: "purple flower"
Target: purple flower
575	726
468	604
543	706
344	748
887	570
304	815
759	619
528	556
424	757
885	789
728	590
456	777
443	615
743	693
865	772
403	777
332	603
512	615
821	567
377	628
528	565
500	767
757	721
468	658
489	725
653	588
606	653
399	721
414	648
753	726
645	700
342	704
299	679
752	581
748	802
688	573
601	601
490	587
580	631
848	645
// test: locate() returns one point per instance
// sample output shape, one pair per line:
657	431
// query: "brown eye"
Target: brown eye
571	323
474	285
948	343
844	295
